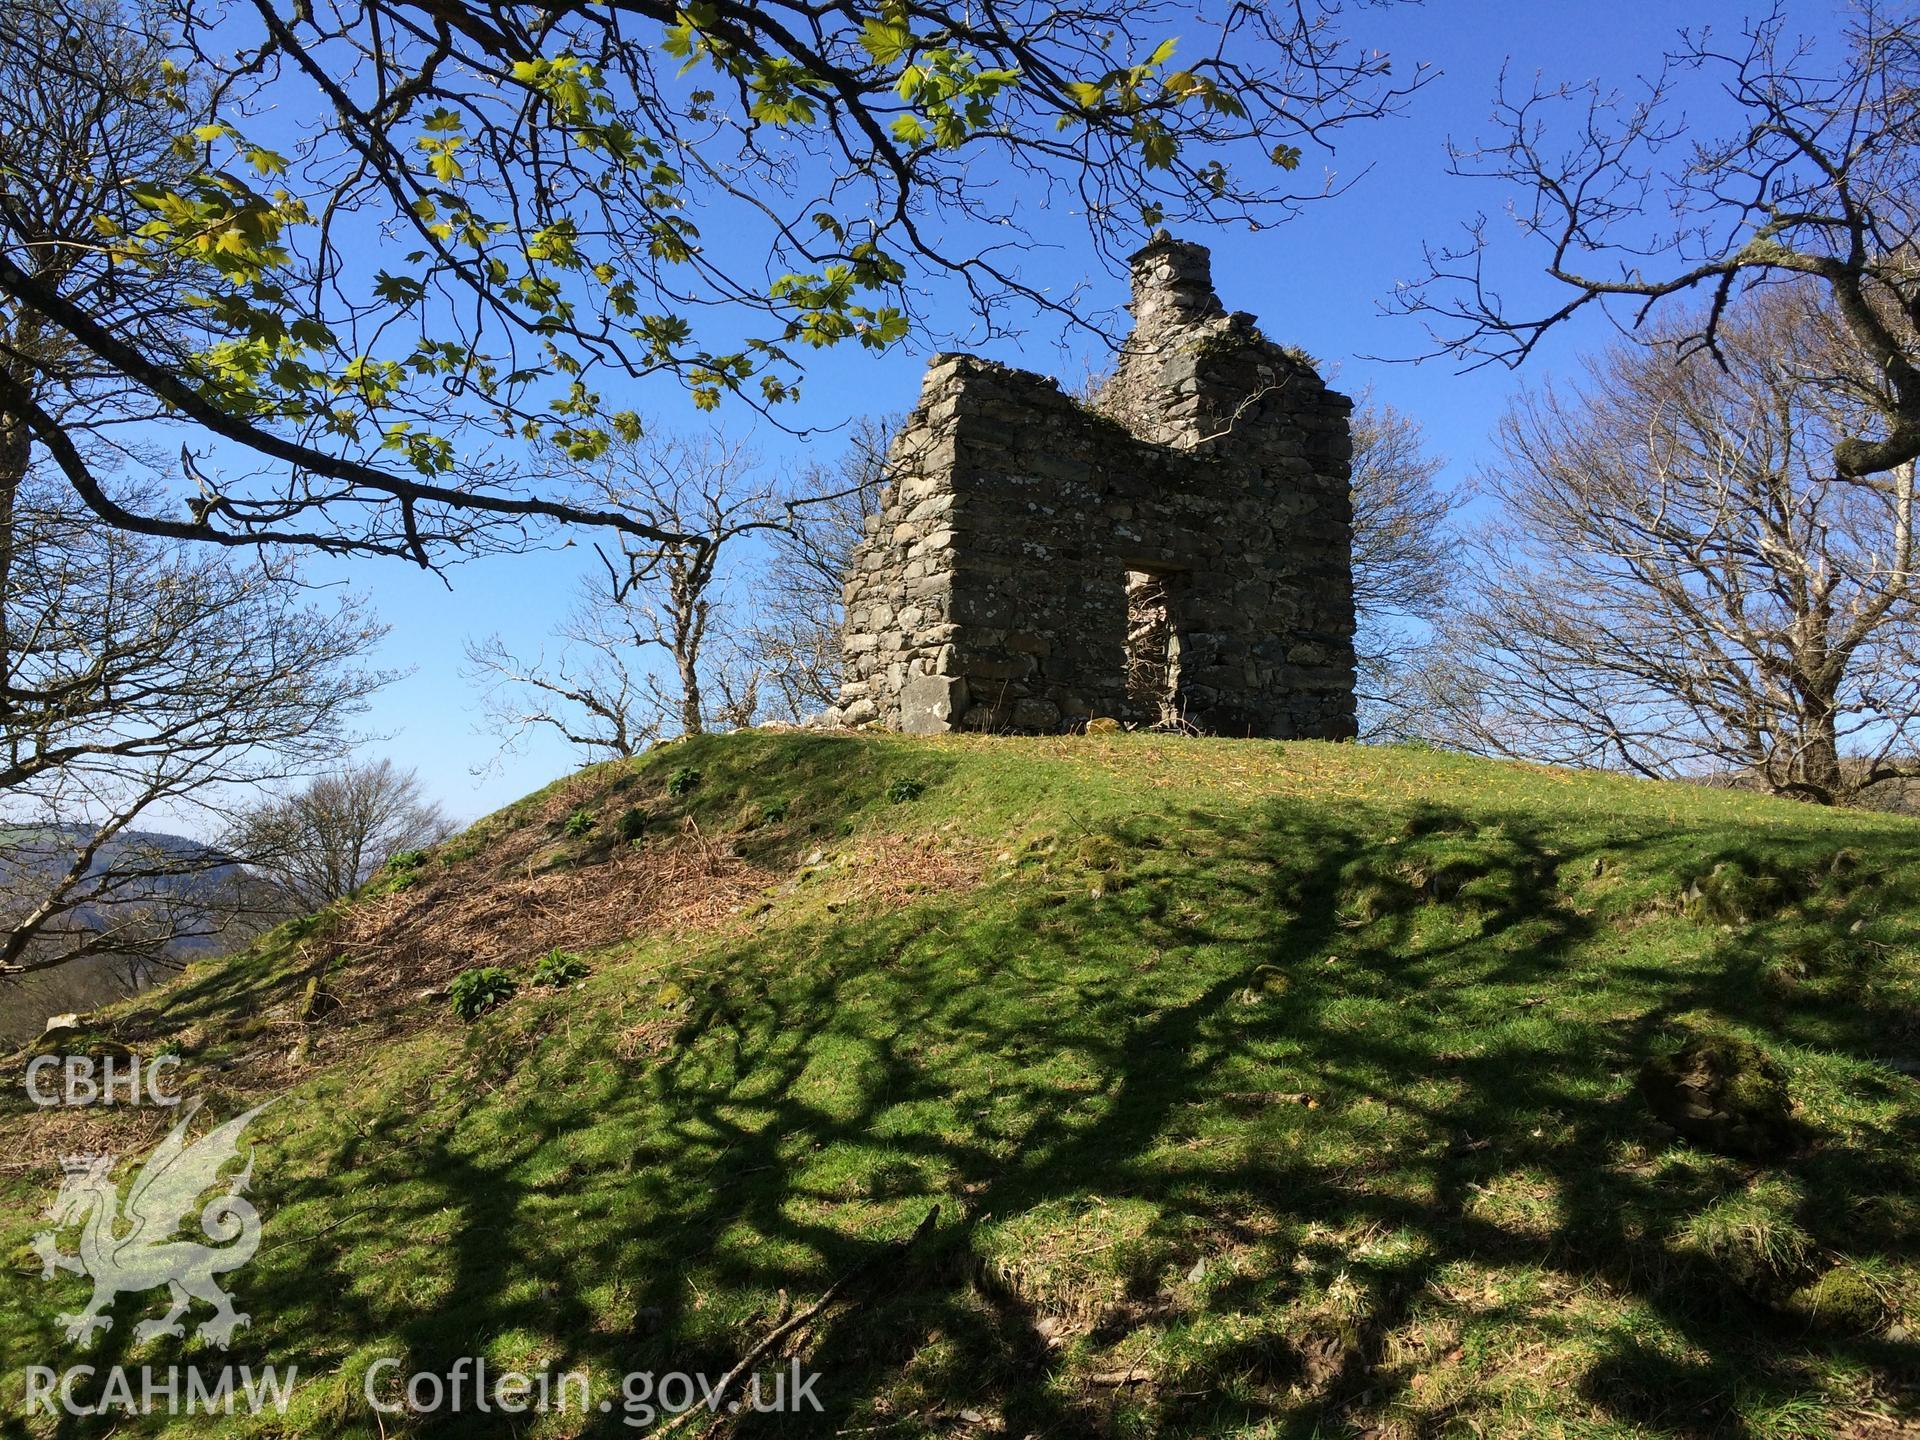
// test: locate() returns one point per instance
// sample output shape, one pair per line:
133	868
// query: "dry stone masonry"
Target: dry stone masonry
1178	552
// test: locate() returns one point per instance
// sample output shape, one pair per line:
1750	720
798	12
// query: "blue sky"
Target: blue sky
1318	282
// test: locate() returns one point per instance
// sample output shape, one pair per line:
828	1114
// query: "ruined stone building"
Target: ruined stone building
1178	551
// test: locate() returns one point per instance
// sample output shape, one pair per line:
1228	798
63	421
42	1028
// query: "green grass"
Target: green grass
1261	1089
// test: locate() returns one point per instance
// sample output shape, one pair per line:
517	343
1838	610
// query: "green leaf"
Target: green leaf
398	289
886	42
266	161
909	131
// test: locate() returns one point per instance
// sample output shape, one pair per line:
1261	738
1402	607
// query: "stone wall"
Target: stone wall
991	592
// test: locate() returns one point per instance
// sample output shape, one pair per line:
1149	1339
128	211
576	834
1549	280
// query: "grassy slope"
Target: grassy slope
1262	1089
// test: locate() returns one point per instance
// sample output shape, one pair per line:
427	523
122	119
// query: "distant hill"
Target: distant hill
1096	1086
186	873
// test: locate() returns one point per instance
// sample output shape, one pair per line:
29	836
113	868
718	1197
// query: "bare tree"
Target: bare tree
82	105
323	841
597	690
143	679
631	658
140	679
1405	563
1680	583
1817	179
795	636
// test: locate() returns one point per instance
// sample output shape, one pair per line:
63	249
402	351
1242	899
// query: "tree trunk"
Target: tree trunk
15	451
1816	773
689	630
690	723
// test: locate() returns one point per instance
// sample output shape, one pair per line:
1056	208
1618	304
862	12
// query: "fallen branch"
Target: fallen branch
717	1396
1272	1097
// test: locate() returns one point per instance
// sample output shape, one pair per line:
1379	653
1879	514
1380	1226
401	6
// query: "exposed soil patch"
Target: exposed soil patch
548	880
534	889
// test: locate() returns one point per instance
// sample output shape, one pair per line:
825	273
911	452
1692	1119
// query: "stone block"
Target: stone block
1042	716
986	666
932	704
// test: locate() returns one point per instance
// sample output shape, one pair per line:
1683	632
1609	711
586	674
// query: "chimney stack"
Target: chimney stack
1172	286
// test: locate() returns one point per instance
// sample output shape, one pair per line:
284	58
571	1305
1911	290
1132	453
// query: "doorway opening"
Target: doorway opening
1153	652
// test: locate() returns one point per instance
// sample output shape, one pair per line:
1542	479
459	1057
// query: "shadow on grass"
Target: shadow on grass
1129	1024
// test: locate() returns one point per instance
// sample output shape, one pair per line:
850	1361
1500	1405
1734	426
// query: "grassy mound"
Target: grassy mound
1106	1086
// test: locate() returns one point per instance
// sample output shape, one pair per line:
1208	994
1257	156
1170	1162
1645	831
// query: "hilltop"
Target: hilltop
1103	1086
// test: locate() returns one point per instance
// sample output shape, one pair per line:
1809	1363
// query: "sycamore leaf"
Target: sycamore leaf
1221	102
885	42
266	161
398	289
